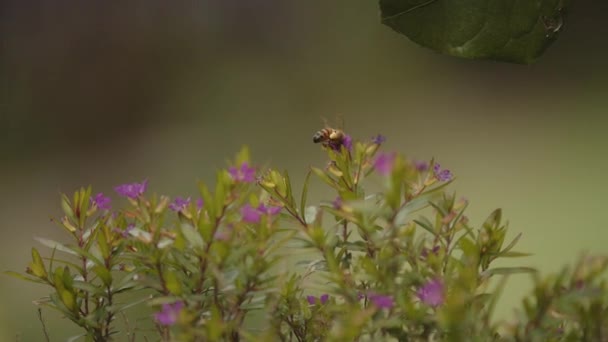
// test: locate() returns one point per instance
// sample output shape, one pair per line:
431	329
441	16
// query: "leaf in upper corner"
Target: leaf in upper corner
516	31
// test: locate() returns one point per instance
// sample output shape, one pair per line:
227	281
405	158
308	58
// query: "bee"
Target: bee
329	137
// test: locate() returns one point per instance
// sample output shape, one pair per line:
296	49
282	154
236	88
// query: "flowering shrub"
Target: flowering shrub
401	263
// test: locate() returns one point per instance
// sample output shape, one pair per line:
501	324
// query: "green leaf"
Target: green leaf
172	282
55	245
62	286
220	189
208	200
506	30
192	236
493	220
104	247
514	254
37	265
288	190
67	206
511	245
103	274
506	271
426	225
88	287
324	177
23	277
304	197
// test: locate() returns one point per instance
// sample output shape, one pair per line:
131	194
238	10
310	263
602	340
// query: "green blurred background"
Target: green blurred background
100	94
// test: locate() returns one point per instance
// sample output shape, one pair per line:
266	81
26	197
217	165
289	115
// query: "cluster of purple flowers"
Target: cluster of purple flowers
243	174
253	215
443	175
312	300
169	313
384	164
180	204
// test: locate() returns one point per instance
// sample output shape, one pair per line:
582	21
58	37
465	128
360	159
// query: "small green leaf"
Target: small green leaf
508	30
511	245
65	294
67	206
88	287
515	254
192	236
220	190
208	199
493	221
103	245
37	265
243	156
103	274
506	271
172	282
23	277
311	214
324	177
55	245
288	190
304	197
426	225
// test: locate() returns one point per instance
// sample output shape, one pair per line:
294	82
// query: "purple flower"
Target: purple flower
421	166
431	293
269	210
312	300
384	163
169	314
324	298
179	204
442	175
132	190
200	203
347	142
381	301
250	214
253	215
378	139
337	203
243	174
100	201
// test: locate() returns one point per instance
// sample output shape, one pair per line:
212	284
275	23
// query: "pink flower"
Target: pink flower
100	201
250	214
431	293
243	174
337	203
253	215
421	166
312	300
179	204
381	301
132	190
384	163
270	210
442	175
169	313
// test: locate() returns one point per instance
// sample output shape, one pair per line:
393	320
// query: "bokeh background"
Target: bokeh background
101	94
